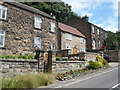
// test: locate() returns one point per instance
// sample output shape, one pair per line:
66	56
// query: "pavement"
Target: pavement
114	64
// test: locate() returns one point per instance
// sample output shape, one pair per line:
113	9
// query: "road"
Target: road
106	79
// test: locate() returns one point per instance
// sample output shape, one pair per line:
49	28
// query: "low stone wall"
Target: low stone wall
64	66
89	56
12	67
115	54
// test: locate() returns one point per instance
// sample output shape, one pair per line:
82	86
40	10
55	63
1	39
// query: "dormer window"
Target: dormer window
37	22
3	12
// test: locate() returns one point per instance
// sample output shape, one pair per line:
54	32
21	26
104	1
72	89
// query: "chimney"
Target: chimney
86	18
53	16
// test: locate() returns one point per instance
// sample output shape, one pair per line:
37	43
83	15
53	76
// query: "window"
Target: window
93	44
37	22
82	49
52	46
99	44
52	26
98	31
81	40
3	12
68	36
93	29
2	38
37	42
68	46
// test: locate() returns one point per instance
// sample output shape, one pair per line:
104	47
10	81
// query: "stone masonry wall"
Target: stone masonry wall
65	66
13	67
20	32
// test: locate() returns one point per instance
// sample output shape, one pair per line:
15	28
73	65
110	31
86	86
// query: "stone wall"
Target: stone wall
64	66
20	32
13	67
89	56
115	54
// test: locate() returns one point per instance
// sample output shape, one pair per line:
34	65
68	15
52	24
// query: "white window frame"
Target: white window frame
68	36
98	31
3	43
52	26
37	44
99	43
3	8
93	44
52	46
82	40
93	29
37	22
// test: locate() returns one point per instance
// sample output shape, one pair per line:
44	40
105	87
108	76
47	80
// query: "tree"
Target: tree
61	10
112	41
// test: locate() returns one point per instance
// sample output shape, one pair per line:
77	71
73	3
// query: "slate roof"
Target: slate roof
70	29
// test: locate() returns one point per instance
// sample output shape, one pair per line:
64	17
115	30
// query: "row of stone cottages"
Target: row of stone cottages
23	28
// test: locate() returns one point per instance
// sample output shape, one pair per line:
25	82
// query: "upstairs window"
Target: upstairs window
82	40
3	12
93	29
98	32
99	44
37	42
2	38
37	22
52	26
68	36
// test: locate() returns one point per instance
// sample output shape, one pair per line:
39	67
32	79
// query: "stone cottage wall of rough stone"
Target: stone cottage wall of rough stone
20	32
13	67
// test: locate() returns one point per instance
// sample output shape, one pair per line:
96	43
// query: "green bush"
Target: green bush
27	56
100	64
27	81
93	65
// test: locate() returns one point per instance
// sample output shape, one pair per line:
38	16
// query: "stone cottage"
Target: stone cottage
95	36
24	28
71	38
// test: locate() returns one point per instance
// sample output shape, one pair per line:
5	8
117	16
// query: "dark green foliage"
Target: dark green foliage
112	41
93	65
61	10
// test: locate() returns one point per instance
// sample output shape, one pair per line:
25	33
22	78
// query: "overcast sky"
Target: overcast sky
103	13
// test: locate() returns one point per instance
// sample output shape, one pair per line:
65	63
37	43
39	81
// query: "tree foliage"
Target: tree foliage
61	10
113	41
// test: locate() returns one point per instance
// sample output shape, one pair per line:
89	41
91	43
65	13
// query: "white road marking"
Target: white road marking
85	78
115	86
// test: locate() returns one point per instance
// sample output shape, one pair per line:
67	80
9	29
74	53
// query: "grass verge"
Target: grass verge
28	81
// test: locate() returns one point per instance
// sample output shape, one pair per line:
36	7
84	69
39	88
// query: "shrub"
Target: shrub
93	65
100	64
27	81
